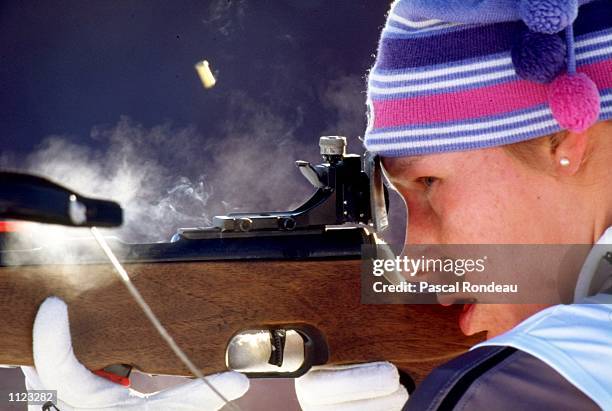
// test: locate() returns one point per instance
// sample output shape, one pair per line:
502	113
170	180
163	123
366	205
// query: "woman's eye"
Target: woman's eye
427	181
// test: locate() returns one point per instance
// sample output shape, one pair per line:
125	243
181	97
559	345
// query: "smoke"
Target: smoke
225	15
256	157
130	164
345	97
166	178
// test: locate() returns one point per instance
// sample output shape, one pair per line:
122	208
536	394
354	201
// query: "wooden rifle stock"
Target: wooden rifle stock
204	304
249	271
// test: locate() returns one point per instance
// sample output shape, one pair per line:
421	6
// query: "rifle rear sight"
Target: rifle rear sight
349	190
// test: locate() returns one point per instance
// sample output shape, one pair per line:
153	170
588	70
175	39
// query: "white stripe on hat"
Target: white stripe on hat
415	24
445	71
398	30
594	53
465	139
441	72
474	79
457	128
593	40
479	78
377	147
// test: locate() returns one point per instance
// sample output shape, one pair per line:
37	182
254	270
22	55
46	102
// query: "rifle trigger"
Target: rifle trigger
277	339
118	373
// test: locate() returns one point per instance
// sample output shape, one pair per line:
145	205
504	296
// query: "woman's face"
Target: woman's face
485	197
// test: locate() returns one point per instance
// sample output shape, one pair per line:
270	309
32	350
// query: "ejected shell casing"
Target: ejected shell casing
206	75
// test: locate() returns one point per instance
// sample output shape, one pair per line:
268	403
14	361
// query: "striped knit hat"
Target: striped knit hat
455	75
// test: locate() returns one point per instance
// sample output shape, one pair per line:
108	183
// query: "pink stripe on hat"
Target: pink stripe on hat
479	102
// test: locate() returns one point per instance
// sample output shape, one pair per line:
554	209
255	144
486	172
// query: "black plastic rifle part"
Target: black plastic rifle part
32	198
349	190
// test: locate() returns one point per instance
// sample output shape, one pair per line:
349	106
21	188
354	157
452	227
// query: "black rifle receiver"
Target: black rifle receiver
349	190
349	197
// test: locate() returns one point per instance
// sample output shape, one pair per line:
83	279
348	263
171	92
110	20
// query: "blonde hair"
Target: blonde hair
529	152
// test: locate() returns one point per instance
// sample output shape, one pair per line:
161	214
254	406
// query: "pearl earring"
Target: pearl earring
564	161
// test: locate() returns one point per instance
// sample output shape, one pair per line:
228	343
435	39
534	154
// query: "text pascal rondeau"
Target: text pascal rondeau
457	287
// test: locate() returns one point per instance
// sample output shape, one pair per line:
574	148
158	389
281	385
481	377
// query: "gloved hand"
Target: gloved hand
372	387
78	388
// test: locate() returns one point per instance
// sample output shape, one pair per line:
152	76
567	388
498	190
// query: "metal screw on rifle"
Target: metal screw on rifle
608	257
288	224
333	148
245	224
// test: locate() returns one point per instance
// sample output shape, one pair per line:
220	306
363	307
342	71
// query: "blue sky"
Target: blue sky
68	66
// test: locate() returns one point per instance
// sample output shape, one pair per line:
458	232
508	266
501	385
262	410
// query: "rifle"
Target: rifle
268	294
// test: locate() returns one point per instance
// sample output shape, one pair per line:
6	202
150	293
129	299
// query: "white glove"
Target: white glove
372	387
78	388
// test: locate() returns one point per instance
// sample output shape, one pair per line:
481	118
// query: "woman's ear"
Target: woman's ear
569	155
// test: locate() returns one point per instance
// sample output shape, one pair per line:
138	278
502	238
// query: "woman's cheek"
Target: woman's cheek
462	218
423	224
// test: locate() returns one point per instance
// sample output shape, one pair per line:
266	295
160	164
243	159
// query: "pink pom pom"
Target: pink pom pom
574	101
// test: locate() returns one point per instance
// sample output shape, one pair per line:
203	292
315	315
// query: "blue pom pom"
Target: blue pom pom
538	57
548	16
